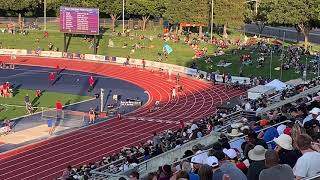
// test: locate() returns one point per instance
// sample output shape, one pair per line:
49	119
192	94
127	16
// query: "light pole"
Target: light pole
270	68
282	54
211	28
123	16
45	15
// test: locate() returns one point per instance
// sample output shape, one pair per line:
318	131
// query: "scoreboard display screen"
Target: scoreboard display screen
79	20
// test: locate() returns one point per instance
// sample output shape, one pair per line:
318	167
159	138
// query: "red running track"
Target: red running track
47	159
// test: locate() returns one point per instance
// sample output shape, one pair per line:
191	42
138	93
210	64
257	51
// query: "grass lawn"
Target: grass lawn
181	55
47	100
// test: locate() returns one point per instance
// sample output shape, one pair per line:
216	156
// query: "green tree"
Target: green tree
145	9
19	7
229	13
257	13
303	14
192	11
111	7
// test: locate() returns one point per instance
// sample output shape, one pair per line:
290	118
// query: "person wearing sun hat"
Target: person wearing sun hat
284	148
256	157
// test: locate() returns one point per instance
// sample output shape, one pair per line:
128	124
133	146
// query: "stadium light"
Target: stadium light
211	28
123	16
45	14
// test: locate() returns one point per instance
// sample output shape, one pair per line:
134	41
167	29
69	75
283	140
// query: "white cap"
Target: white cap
212	161
315	111
197	159
281	128
231	153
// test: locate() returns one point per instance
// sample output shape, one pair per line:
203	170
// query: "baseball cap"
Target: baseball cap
314	111
212	161
231	153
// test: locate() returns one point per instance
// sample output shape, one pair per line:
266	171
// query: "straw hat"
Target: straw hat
284	141
257	153
234	133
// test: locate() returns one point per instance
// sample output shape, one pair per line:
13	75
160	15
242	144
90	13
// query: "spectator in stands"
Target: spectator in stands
284	148
227	168
270	133
308	164
251	141
165	172
256	157
182	175
200	157
152	176
313	114
156	139
134	175
186	166
205	172
66	173
275	171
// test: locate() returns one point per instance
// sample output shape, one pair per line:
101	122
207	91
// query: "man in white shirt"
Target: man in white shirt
308	164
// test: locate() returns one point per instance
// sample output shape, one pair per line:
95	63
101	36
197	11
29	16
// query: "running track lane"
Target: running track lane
46	160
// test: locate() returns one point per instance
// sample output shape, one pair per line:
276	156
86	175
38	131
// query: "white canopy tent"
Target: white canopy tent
277	84
258	91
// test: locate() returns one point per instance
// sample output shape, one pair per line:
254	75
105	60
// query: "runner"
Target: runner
174	93
38	93
91	83
51	78
143	64
177	78
92	116
50	126
58	69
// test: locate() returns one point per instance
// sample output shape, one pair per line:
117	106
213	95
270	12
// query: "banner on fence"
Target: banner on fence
234	79
20	52
51	54
94	57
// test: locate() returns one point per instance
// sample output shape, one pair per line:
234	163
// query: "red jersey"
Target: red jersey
58	68
51	77
58	105
91	81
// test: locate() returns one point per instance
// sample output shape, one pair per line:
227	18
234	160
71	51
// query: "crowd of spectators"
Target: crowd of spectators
168	140
258	149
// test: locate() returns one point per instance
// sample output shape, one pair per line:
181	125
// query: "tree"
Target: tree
304	14
257	13
229	13
145	9
19	7
192	11
111	7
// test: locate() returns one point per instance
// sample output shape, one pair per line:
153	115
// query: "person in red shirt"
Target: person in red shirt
58	69
91	83
58	105
51	78
181	124
59	109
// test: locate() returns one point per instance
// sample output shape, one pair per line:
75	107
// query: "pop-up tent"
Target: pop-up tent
278	85
260	90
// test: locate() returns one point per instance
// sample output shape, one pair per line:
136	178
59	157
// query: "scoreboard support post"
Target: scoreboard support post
95	44
65	43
